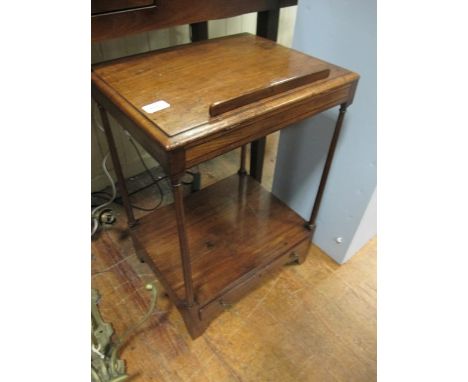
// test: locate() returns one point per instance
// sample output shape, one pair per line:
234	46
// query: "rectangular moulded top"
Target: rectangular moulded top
170	92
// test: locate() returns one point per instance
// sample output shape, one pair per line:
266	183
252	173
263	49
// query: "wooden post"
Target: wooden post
117	167
242	170
199	31
311	224
183	242
267	26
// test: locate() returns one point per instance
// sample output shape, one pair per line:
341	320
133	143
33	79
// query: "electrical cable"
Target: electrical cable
96	193
118	200
155	181
100	207
141	159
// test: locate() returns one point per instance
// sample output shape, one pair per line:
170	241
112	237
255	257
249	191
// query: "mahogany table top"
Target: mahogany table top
183	94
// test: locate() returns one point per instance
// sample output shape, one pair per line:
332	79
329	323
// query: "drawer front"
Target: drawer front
217	306
104	6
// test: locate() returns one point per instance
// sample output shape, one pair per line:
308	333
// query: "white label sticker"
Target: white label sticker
156	106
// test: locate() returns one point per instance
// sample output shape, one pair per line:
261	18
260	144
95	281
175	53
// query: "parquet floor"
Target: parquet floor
313	322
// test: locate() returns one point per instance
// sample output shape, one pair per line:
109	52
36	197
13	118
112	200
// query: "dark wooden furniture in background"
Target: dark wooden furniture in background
222	94
106	6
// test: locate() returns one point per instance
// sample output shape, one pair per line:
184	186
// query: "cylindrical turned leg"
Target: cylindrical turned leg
117	167
183	242
331	151
242	170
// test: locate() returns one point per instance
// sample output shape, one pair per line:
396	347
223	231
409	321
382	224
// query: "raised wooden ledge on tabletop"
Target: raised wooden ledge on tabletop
269	90
233	232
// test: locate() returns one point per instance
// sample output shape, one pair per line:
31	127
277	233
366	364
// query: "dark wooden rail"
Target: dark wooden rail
270	90
125	17
105	6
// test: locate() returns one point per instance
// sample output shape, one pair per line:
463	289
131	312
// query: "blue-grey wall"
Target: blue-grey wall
344	33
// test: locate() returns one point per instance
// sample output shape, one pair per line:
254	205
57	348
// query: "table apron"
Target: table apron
259	127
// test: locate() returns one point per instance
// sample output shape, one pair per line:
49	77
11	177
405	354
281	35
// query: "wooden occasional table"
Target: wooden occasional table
189	104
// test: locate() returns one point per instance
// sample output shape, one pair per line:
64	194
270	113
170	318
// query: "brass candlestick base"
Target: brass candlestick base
105	363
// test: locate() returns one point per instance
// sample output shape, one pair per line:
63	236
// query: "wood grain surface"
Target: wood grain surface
234	227
313	323
235	232
192	77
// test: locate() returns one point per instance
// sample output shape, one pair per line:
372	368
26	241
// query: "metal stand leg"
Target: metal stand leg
242	170
183	243
117	167
331	151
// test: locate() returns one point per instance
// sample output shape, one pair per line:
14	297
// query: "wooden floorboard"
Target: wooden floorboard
313	322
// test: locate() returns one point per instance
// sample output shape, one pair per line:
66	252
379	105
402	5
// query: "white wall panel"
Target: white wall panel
342	32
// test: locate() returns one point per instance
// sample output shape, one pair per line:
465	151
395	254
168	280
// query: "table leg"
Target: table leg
199	31
268	24
117	167
183	242
267	27
242	170
257	155
311	224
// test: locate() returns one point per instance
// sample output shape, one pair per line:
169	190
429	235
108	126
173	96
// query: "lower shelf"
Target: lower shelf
235	229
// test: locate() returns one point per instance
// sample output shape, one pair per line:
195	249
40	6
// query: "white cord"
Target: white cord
97	351
114	194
